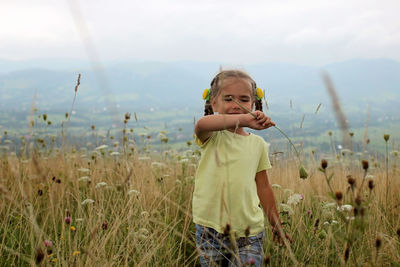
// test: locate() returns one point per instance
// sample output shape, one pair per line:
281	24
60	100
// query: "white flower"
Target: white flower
83	170
157	164
287	191
277	186
101	147
184	160
101	184
133	192
79	220
84	179
144	158
350	218
115	153
334	222
329	205
287	208
87	201
346	207
369	177
295	199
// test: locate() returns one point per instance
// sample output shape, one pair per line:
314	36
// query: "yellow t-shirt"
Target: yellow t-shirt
225	189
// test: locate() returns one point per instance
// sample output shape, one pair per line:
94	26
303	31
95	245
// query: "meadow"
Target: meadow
121	201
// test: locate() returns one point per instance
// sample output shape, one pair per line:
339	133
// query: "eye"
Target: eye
245	99
227	99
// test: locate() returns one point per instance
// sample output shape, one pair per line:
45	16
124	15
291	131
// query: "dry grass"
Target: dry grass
152	225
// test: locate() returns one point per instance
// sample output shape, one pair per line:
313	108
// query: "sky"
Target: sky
308	32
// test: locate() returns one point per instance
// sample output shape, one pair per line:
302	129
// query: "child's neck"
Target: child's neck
238	130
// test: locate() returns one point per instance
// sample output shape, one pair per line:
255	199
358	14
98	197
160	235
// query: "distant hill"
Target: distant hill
159	85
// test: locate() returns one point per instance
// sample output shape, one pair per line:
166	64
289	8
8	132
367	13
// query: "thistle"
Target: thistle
302	171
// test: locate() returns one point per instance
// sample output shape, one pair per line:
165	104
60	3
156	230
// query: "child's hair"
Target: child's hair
218	81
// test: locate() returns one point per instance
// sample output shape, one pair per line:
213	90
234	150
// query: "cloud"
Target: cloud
309	31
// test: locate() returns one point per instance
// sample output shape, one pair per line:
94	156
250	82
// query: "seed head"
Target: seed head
330	133
346	254
66	115
378	242
247	231
324	164
39	256
365	164
351	134
358	200
351	180
339	195
398	232
40	192
303	173
370	184
386	137
45	117
127	116
227	229
267	259
93	127
104	226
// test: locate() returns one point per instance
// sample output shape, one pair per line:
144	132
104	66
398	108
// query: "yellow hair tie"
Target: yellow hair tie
206	94
259	94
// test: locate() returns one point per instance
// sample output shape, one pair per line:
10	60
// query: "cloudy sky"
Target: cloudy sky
313	32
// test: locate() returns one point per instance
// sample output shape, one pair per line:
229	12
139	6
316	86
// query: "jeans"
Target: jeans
216	249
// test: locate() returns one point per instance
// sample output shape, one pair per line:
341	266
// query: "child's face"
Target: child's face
238	89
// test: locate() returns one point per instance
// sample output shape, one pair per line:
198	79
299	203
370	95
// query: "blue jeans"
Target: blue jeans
216	249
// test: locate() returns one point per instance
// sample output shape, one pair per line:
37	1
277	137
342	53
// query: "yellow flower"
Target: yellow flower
73	228
54	260
259	93
206	94
76	252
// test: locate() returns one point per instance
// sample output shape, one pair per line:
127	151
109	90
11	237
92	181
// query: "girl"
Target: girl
231	179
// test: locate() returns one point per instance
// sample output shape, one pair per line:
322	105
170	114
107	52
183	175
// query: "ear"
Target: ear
214	103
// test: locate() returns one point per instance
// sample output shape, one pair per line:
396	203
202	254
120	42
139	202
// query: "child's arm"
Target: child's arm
267	200
207	124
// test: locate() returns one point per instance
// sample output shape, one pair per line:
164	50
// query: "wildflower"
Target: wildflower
378	243
267	259
286	208
346	207
101	147
73	228
252	261
277	186
303	173
87	201
351	180
48	243
133	192
39	256
370	184
295	199
339	195
347	253
54	260
386	137
365	164
369	177
84	179
115	153
309	212
79	220
287	191
324	164
322	234
83	170
329	205
227	229
67	219
350	218
76	253
101	184
144	158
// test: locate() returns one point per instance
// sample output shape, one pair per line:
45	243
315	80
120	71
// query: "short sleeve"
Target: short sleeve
198	142
264	162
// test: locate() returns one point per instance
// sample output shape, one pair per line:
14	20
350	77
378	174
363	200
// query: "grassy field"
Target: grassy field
126	205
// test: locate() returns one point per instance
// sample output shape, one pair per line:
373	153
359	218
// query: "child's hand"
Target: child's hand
260	121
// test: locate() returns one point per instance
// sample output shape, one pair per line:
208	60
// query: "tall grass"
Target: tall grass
141	210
